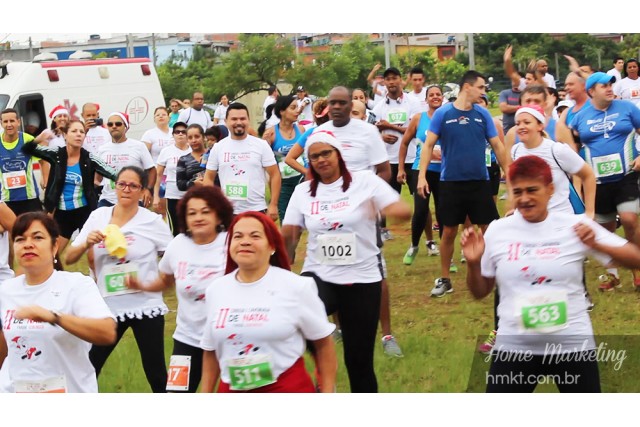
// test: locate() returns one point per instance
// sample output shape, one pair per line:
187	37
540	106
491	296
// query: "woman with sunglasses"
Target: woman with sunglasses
340	209
70	194
136	237
166	167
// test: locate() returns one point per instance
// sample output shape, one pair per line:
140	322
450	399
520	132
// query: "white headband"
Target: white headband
534	112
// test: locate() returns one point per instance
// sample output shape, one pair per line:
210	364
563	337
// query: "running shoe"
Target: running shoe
386	235
453	268
608	282
442	286
432	248
435	226
410	255
488	344
590	303
463	260
337	335
391	347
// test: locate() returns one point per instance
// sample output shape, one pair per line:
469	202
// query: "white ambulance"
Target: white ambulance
128	85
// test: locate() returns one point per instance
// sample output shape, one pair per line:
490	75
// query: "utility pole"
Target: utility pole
387	50
30	48
130	53
472	54
153	48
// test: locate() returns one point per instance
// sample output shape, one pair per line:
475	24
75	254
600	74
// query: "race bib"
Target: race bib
236	190
607	165
397	117
50	385
287	171
14	180
178	374
635	93
337	249
543	313
250	372
487	157
115	279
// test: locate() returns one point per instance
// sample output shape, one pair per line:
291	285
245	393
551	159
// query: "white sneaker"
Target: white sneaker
432	248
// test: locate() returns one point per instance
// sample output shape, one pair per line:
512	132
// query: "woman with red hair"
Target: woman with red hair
259	316
340	210
535	257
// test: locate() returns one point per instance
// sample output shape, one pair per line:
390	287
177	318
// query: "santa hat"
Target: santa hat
322	136
123	116
57	110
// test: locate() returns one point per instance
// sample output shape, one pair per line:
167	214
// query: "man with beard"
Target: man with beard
242	160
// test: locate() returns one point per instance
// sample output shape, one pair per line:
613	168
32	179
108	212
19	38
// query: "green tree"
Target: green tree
450	71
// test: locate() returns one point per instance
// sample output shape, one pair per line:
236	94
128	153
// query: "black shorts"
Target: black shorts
459	199
24	206
494	178
610	195
70	221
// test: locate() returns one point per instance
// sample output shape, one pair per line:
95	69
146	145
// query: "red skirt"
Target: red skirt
296	379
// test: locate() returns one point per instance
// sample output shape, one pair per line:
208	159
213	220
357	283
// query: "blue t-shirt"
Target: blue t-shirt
72	196
463	138
609	138
282	146
421	134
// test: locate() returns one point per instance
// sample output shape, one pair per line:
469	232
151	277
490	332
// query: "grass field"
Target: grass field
438	336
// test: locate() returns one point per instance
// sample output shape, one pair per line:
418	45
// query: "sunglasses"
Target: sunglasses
325	154
180	132
121	185
116	124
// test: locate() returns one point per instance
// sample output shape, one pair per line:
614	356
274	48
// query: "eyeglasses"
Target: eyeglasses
325	154
180	132
121	185
116	124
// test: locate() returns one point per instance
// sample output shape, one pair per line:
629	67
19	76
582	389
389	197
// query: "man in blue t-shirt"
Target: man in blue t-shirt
607	131
463	129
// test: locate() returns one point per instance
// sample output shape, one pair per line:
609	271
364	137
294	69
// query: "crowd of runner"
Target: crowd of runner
195	205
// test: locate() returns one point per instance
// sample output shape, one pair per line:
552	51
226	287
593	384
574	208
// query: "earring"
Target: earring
272	253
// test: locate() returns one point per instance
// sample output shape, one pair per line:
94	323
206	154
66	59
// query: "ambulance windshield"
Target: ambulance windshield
4	99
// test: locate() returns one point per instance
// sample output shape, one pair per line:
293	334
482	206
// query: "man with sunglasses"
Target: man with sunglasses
121	152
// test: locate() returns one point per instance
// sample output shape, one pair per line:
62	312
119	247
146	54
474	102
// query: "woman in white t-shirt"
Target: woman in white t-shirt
7	219
340	209
629	87
49	318
536	259
192	260
59	119
562	159
260	315
166	165
160	136
136	237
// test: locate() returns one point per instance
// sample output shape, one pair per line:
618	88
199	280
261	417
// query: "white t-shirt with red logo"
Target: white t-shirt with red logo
158	140
267	320
341	246
240	165
95	138
118	155
628	89
538	269
168	158
39	354
5	269
362	145
194	268
146	234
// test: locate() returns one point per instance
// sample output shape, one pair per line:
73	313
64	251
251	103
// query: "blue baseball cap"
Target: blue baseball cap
599	77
